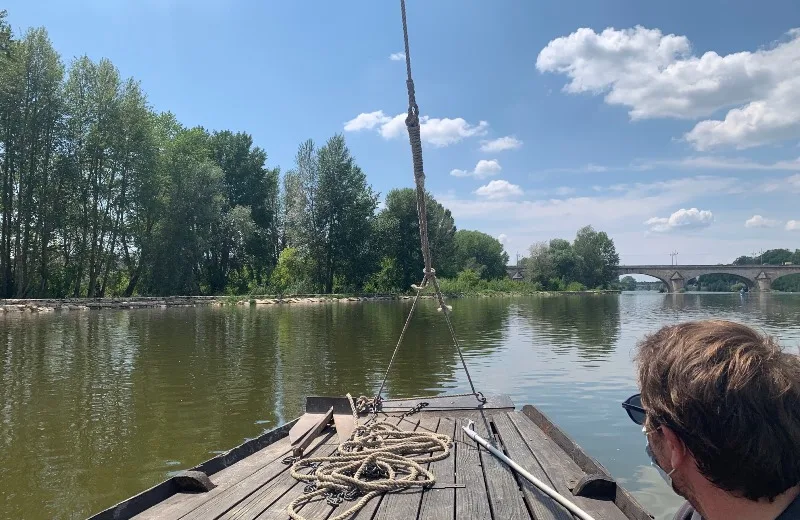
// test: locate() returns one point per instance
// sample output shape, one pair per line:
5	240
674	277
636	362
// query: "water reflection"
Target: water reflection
96	406
588	324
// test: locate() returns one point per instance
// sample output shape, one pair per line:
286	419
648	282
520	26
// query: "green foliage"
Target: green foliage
386	280
627	283
481	253
289	273
575	286
590	260
397	229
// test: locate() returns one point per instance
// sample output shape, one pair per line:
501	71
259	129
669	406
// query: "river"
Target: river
98	405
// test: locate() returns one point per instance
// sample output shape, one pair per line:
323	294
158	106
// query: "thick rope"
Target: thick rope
378	459
413	126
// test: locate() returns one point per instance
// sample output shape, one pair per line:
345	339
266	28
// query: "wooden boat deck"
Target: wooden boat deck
471	482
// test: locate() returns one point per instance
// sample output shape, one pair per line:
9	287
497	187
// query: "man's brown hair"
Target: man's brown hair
732	396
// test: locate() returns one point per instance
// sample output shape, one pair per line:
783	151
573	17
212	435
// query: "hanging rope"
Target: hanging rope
378	459
413	126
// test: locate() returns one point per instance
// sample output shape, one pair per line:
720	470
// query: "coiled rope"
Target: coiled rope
376	460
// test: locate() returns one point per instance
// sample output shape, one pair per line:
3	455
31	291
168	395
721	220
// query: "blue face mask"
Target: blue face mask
666	476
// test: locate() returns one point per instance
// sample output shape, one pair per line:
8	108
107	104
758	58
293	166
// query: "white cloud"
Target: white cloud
482	170
793	225
499	189
397	56
366	121
757	221
794	182
500	144
438	132
502	238
683	219
563	191
656	75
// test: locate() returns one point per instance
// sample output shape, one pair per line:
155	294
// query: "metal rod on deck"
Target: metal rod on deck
552	493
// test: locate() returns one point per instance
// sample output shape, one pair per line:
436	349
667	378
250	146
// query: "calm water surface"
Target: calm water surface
97	406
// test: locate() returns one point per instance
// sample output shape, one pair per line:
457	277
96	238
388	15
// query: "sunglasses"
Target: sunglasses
633	405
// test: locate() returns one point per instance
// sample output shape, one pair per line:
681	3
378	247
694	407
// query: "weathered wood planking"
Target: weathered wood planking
406	502
505	498
439	504
623	499
472	501
542	506
561	469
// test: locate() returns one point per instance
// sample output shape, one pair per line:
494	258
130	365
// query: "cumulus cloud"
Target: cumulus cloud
500	144
757	221
656	75
438	132
499	189
683	219
793	225
502	238
397	56
482	170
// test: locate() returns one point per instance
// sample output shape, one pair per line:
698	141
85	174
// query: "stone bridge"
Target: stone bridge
675	277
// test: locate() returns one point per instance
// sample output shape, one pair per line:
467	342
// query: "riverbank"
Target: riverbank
138	302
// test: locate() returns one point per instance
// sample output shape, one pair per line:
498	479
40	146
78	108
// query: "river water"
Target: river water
97	406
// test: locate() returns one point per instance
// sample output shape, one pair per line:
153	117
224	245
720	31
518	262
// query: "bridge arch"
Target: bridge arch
661	278
749	282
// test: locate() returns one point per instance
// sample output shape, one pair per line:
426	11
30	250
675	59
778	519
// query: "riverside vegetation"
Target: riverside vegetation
102	196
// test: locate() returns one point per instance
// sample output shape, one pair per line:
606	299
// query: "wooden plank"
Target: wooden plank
225	479
472	501
624	500
445	403
439	504
560	468
154	496
271	500
505	498
235	494
405	504
542	506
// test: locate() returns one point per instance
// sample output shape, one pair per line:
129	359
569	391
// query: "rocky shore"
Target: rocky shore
139	302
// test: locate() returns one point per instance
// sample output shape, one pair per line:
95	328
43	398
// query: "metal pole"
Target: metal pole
552	493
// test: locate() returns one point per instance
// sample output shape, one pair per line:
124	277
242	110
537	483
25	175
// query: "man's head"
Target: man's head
722	404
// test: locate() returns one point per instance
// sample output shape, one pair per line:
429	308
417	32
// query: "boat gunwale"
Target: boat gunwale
623	498
156	494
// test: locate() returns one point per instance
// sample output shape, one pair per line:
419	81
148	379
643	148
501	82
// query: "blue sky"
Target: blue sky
668	125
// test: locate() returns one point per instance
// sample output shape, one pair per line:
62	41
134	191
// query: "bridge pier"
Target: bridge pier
763	282
676	283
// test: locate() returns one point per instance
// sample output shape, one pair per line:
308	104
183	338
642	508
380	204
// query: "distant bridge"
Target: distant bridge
676	277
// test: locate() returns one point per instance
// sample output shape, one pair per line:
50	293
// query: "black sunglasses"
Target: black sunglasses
633	405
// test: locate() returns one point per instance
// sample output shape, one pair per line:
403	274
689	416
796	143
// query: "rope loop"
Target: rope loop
379	458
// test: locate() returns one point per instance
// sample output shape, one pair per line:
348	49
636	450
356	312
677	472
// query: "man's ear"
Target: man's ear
678	452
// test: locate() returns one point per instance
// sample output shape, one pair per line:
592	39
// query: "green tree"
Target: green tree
628	283
397	236
346	209
539	264
481	253
290	273
599	257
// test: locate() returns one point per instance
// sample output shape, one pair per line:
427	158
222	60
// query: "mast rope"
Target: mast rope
413	126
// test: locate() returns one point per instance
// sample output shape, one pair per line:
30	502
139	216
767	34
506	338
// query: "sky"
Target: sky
672	126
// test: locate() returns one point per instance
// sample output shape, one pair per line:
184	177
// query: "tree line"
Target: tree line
588	262
101	195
